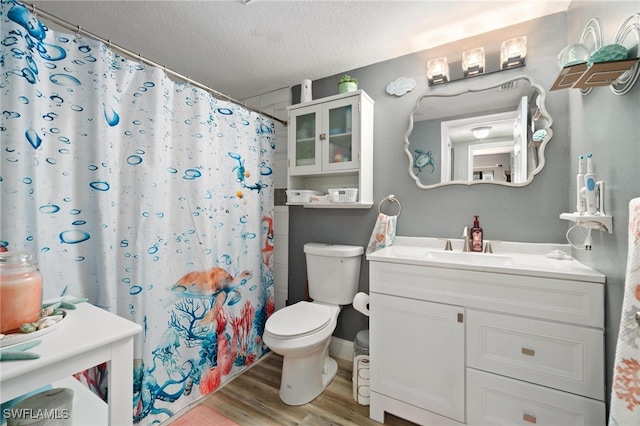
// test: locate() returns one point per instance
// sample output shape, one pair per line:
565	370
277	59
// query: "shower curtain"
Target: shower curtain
151	198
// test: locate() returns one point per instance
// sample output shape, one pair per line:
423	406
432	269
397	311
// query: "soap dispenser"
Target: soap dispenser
476	236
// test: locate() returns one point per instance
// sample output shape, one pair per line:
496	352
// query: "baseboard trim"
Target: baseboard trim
340	348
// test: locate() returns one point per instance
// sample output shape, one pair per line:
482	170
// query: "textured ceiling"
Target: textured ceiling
245	49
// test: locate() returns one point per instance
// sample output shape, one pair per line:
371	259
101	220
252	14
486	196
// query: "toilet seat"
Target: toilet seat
298	320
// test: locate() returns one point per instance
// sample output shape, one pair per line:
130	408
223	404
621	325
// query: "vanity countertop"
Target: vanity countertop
512	258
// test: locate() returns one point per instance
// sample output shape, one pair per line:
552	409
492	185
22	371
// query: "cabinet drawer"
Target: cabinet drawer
573	302
560	356
496	400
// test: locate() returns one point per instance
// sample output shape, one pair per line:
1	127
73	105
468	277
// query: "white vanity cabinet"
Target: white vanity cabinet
331	147
486	345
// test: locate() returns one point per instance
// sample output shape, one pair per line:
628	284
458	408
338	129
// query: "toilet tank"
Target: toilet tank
333	272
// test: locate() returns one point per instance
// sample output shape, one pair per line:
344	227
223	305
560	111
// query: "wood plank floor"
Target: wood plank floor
252	399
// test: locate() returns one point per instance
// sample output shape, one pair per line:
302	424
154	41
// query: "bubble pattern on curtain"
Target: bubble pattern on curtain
150	197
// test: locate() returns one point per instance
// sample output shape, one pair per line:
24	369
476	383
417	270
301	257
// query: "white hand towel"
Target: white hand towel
625	393
384	232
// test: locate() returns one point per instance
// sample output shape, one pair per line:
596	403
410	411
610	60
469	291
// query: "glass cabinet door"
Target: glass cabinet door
324	137
341	148
305	150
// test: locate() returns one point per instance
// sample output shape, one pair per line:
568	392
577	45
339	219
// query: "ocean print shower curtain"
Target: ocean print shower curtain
150	197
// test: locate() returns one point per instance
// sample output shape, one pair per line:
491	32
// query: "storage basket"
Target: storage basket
343	195
301	195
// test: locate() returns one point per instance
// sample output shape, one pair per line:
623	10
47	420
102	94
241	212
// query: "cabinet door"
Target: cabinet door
340	135
304	140
417	353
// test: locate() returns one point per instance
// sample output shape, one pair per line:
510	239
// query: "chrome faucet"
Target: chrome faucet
447	244
465	235
488	247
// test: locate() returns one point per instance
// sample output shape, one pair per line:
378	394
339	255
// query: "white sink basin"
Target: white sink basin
458	257
412	252
515	258
470	258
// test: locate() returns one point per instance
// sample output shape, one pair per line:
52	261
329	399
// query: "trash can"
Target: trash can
361	368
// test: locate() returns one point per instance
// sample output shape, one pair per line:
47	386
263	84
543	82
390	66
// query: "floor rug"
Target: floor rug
313	419
201	415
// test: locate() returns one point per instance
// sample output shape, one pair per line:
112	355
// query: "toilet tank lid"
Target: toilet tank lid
333	250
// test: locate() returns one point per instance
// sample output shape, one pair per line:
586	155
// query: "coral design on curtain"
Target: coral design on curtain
150	197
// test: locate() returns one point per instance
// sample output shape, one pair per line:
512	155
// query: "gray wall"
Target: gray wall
512	214
608	126
602	123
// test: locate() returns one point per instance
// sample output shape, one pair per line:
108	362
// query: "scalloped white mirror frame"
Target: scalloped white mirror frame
541	158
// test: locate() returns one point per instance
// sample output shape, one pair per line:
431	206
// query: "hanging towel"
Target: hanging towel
625	392
384	232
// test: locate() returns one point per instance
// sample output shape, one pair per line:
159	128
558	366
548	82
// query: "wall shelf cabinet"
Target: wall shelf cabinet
331	146
579	76
619	74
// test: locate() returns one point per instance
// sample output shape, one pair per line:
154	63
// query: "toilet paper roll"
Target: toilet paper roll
361	381
364	395
363	370
361	303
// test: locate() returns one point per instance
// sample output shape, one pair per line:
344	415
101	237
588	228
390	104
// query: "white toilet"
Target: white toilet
301	333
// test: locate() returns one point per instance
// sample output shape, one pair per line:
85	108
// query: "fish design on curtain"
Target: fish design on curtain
150	197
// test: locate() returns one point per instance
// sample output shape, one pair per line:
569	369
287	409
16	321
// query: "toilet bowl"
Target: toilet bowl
301	332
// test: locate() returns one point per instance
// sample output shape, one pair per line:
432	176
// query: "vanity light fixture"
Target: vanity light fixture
473	62
437	71
478	61
513	52
481	132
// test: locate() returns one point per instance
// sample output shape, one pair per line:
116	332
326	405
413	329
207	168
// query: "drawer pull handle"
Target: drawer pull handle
529	418
460	317
528	352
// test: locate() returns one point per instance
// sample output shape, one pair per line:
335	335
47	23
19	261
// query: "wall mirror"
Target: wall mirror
485	134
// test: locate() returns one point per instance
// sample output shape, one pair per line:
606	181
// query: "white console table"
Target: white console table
88	336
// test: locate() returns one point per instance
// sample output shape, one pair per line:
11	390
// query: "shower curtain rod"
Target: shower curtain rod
78	30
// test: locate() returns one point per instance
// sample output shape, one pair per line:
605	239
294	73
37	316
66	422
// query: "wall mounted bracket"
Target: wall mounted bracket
598	220
594	221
